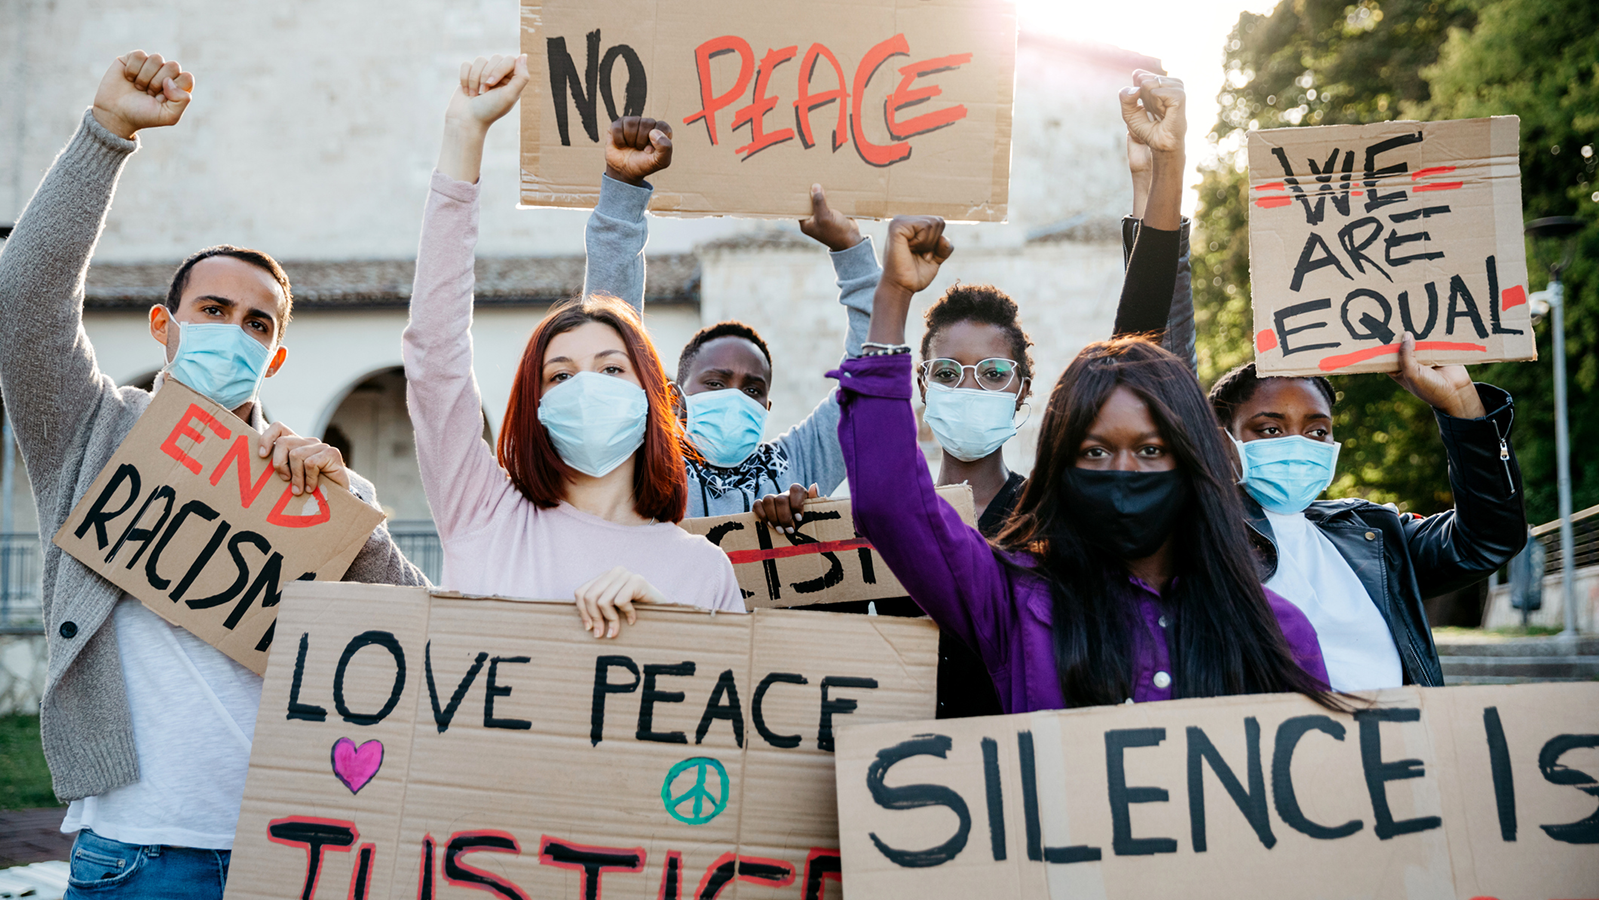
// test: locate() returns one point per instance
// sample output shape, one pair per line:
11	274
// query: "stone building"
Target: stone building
312	135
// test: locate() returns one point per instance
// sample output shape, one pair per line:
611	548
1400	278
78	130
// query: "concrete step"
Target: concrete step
1489	645
1532	668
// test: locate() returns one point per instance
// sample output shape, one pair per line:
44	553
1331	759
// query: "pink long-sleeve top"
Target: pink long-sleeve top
495	540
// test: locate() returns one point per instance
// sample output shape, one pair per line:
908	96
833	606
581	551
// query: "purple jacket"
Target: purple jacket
953	573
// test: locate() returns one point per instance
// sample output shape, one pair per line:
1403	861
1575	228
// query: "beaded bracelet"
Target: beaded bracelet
873	348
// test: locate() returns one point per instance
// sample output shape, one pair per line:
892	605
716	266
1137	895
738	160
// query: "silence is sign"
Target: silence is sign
894	107
1359	233
1440	793
426	745
188	518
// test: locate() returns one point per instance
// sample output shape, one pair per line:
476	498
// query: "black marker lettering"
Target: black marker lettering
1499	764
1117	741
1281	317
916	796
837	706
650	696
995	790
1379	773
97	517
376	638
784	741
1282	777
726	687
1251	801
1459	292
298	710
491	690
563	73
443	717
602	686
1036	851
1584	831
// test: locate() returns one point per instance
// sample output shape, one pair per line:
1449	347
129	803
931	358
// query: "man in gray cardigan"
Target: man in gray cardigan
146	728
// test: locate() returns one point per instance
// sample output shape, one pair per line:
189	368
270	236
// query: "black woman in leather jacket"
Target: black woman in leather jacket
1398	558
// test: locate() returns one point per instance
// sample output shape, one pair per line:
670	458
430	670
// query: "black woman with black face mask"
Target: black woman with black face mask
1124	573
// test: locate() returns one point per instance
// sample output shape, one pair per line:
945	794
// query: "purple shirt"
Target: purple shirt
953	573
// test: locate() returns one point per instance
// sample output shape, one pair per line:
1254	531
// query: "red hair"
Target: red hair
660	484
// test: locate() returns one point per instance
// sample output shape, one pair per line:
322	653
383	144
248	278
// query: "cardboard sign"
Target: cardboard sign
1359	233
191	520
827	561
413	744
1460	792
896	108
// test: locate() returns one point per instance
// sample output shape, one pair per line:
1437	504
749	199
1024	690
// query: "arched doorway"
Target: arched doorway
372	428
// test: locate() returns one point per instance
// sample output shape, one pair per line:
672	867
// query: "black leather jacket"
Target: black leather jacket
1402	558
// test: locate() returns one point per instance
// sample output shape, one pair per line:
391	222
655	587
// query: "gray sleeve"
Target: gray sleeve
857	272
380	560
1179	336
614	242
47	367
812	445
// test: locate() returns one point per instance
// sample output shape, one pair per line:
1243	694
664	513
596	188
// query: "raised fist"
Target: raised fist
141	91
1155	110
639	148
825	224
490	86
916	248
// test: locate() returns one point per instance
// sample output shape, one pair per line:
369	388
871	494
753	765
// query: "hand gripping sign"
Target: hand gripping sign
191	520
1462	792
1359	233
425	746
895	107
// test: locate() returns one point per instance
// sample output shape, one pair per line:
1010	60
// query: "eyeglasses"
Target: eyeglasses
990	374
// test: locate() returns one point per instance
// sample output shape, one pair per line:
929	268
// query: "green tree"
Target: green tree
1311	62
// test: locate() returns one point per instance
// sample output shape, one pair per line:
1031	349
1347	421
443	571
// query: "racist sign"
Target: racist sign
1460	792
824	561
1359	233
191	520
423	745
895	108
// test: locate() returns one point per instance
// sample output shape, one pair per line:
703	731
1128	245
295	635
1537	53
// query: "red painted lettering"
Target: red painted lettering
315	835
904	97
710	104
278	517
761	104
239	456
808	102
874	154
183	429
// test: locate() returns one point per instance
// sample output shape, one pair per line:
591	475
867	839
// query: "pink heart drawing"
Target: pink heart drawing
354	765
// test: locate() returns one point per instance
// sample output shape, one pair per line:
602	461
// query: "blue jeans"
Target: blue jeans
103	868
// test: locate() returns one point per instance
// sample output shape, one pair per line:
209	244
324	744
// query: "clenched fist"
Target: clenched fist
639	148
142	90
1155	110
916	248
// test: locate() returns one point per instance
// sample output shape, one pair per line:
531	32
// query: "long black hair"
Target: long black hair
1223	634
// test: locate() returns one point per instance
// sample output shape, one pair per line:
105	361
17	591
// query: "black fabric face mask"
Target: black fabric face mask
1128	514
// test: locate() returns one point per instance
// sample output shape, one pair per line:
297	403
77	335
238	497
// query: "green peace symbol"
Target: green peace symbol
698	793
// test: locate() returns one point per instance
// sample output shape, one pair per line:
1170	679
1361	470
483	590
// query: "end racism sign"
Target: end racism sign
824	561
894	107
426	746
188	518
1359	233
1449	793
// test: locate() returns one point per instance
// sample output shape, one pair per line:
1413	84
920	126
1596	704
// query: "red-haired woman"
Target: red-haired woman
582	499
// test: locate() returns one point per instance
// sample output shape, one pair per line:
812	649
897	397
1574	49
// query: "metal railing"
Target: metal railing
419	541
20	607
1584	540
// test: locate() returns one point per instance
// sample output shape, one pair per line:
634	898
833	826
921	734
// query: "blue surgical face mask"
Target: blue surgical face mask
1286	474
725	425
220	361
970	423
595	421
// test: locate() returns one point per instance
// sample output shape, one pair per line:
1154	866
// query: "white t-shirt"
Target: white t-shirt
1355	641
193	719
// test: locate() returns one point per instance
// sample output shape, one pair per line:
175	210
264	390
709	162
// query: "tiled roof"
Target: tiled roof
378	284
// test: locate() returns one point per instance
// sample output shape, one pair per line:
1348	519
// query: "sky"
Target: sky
1187	36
